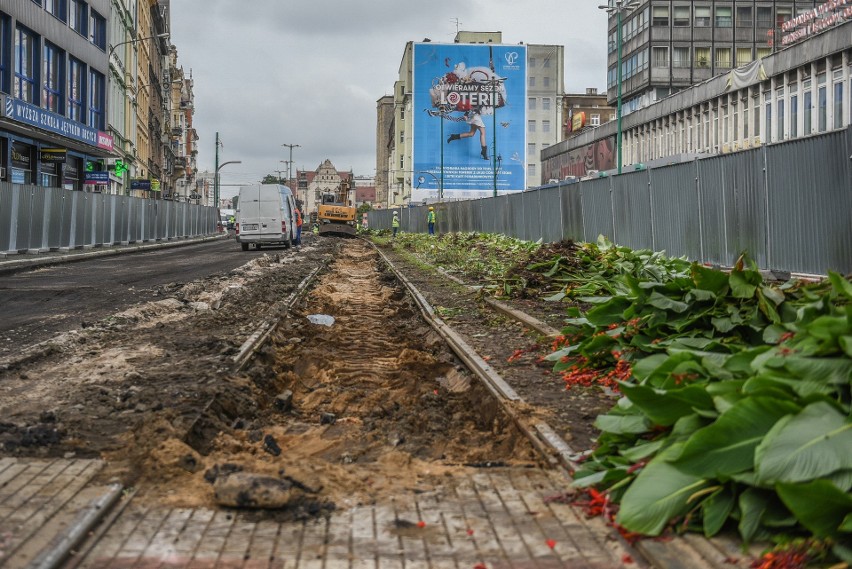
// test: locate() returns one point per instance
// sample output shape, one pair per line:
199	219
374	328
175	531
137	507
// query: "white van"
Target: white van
266	215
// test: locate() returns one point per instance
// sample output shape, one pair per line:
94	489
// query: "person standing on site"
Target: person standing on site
395	223
298	228
430	219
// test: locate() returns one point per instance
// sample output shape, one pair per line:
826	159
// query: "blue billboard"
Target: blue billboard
469	119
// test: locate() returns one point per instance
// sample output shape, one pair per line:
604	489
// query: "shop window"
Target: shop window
21	164
26	52
76	84
52	79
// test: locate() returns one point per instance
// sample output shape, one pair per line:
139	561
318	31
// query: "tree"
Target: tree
365	207
270	179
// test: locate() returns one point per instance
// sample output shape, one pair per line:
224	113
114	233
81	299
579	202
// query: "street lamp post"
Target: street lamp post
618	7
156	37
216	178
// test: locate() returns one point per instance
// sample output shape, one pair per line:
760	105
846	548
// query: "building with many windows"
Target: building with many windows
53	86
669	45
802	89
538	117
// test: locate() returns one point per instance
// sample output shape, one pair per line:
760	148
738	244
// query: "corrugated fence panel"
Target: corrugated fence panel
711	214
7	216
746	220
597	209
631	206
515	215
810	202
100	213
446	217
57	226
674	207
572	212
38	224
550	211
25	213
489	215
532	216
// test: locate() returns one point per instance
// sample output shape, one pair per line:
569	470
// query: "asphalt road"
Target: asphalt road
37	304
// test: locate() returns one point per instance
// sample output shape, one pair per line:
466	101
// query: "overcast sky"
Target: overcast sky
309	72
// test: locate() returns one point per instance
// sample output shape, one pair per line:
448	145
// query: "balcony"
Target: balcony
177	131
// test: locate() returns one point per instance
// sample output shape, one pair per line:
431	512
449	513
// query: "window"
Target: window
532	81
531	170
661	56
97	29
838	105
782	15
660	16
78	15
764	52
402	113
743	56
401	136
76	83
545	104
702	16
52	79
96	100
744	17
745	117
531	62
808	108
822	98
595	120
702	57
767	106
723	17
4	52
545	126
794	113
680	57
546	81
546	64
779	96
532	105
530	126
723	57
26	47
681	16
530	149
764	18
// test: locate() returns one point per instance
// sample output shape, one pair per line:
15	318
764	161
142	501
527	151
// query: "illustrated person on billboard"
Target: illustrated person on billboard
476	91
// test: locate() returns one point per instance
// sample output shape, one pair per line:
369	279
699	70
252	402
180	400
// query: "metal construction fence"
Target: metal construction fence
34	218
788	206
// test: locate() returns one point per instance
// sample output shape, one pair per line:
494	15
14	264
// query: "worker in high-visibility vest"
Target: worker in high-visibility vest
395	222
430	219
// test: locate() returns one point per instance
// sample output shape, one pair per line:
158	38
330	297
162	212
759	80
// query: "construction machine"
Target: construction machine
336	214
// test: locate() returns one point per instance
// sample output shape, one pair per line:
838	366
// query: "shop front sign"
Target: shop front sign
32	115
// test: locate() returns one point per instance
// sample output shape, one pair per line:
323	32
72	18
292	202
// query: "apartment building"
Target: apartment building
53	94
670	45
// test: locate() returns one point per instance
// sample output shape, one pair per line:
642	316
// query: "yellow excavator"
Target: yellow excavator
336	214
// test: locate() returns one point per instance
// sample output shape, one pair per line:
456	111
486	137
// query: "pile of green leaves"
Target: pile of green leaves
593	267
474	256
737	410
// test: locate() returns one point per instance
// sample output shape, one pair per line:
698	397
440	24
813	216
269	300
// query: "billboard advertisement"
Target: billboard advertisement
469	119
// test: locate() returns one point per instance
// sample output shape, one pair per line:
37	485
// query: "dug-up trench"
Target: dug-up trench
353	413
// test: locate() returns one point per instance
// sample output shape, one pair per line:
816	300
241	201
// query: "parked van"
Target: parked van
266	215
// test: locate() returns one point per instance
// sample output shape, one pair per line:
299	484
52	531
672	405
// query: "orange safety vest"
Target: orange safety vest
298	218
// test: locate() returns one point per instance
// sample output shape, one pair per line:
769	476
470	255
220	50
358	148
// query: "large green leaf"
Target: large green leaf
709	279
753	504
727	446
659	494
744	283
665	407
623	424
663	302
813	444
819	506
841	285
716	509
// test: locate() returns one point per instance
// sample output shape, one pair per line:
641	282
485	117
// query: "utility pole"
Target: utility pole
291	147
216	176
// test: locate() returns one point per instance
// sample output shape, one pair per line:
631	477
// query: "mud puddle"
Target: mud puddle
350	413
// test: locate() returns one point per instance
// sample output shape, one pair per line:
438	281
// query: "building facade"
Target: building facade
670	45
583	111
53	94
541	111
800	90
